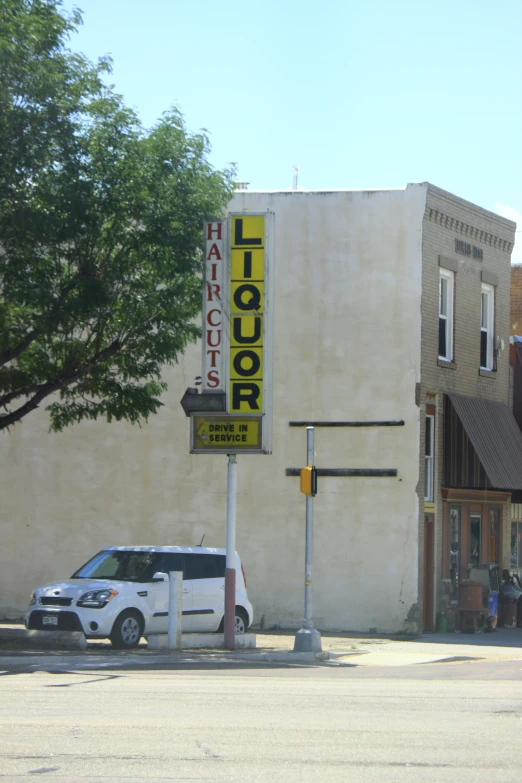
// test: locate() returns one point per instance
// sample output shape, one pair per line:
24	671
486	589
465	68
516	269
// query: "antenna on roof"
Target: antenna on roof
296	170
201	542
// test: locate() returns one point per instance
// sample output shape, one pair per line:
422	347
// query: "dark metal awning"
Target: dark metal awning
496	438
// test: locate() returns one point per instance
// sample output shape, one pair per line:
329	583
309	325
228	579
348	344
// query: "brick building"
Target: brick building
476	457
515	357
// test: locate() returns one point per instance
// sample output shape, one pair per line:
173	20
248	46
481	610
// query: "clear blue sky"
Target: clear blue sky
358	93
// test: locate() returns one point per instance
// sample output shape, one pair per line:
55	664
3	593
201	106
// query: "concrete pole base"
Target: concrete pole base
308	640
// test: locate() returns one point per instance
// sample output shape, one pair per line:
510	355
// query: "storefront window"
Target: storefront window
516	545
428	459
454	552
475	523
494	535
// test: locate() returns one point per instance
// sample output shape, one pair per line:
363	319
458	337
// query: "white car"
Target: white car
123	594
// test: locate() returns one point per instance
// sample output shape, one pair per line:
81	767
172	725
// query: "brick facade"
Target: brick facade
516	300
447	219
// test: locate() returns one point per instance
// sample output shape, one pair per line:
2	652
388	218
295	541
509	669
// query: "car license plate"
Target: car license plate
50	619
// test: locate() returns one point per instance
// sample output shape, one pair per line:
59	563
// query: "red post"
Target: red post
230	609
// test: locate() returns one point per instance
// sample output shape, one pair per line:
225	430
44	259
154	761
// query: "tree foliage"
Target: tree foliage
100	231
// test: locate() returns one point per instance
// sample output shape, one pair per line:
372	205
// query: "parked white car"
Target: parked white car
123	594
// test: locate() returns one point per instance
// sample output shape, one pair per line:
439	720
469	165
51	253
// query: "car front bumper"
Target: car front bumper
91	621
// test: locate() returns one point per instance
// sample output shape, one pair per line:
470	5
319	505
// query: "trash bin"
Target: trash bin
508	611
487	575
471	607
470	596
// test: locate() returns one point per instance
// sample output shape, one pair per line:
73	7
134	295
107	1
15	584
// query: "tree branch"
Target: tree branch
8	419
45	320
23	391
14	353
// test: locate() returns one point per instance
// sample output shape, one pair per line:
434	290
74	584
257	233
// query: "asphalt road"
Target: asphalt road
457	722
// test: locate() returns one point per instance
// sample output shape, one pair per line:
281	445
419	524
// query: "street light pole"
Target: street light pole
308	638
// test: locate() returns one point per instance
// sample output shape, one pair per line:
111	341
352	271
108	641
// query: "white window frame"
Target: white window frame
428	459
449	278
487	324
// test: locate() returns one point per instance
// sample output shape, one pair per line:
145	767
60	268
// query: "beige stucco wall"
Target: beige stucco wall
347	347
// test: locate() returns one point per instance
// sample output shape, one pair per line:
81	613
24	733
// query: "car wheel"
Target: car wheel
241	621
127	630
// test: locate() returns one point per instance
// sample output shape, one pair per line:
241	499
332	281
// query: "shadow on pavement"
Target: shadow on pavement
500	637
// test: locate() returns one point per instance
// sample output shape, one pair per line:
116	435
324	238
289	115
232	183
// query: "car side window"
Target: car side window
169	561
204	566
136	566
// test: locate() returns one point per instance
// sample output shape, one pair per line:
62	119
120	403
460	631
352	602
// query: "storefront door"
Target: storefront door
471	535
427	613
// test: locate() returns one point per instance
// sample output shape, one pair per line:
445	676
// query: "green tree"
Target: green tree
100	231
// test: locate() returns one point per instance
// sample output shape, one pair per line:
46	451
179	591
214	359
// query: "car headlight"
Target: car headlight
32	599
96	599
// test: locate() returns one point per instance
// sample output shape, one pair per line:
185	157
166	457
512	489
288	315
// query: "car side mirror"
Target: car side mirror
160	576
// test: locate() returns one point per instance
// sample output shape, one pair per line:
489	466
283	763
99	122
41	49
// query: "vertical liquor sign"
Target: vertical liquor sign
214	244
250	299
237	335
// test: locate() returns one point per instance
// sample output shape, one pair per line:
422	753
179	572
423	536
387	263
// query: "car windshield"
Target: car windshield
122	565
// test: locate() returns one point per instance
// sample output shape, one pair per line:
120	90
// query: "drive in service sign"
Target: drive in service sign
226	433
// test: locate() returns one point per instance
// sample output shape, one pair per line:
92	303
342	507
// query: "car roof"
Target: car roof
197	550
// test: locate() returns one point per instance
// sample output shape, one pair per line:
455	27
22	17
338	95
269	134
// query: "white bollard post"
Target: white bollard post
175	609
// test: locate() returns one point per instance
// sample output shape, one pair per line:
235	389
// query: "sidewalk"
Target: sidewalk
363	650
338	649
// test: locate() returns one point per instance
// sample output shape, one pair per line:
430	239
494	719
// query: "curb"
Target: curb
35	660
48	640
202	641
20	639
297	657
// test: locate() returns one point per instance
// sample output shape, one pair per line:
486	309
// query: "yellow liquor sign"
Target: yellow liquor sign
225	434
238	336
247	313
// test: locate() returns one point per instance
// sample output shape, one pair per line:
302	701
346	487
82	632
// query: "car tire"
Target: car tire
241	621
127	630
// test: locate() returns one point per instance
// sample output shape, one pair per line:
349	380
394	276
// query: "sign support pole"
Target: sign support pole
175	609
308	638
230	571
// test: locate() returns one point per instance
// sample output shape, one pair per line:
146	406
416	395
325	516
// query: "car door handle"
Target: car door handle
186	591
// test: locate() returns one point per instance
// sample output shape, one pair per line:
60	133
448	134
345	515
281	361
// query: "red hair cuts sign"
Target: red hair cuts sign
213	306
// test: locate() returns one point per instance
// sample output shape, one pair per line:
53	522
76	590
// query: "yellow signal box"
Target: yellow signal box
309	481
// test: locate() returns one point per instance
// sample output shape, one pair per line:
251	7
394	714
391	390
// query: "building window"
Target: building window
494	535
516	545
428	459
454	553
446	286
487	316
475	524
